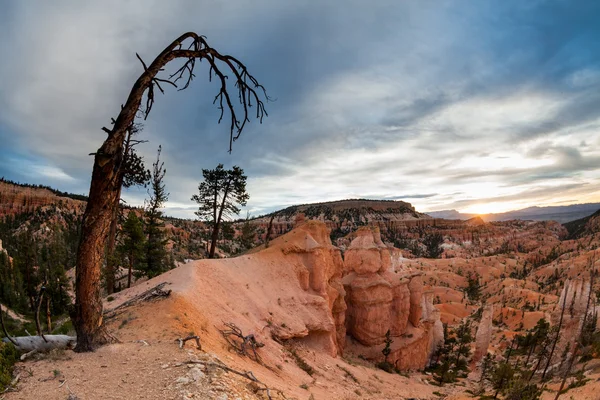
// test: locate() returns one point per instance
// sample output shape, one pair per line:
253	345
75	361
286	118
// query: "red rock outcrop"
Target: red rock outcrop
380	298
318	267
483	335
16	199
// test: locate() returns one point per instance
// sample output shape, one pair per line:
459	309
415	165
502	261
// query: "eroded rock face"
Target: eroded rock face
319	270
483	335
577	300
380	297
371	298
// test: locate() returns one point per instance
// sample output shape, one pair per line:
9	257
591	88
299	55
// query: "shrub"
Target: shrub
8	357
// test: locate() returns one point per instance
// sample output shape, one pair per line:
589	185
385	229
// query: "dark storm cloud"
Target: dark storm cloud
384	99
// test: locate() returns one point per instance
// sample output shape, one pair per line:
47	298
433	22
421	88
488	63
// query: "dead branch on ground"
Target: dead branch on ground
150	294
183	340
12	386
246	374
240	347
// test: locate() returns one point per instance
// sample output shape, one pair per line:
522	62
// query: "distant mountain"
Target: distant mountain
451	214
560	214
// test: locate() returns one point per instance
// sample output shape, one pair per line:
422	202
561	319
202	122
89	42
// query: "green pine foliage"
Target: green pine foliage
451	359
157	256
43	247
433	242
131	250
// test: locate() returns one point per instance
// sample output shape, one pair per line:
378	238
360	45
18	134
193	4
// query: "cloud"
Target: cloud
440	105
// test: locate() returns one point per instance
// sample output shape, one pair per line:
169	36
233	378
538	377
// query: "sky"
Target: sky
479	106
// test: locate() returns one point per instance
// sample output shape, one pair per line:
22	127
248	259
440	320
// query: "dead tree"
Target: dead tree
38	325
244	342
108	160
269	229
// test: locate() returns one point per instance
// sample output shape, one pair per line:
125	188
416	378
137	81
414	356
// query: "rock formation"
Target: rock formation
483	335
318	269
575	296
379	299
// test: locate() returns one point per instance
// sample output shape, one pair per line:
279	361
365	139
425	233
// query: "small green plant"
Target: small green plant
304	386
303	365
348	373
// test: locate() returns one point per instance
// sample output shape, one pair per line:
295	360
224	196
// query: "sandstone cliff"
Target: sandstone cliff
381	297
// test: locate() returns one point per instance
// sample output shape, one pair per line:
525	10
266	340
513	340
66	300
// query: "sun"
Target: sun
489	208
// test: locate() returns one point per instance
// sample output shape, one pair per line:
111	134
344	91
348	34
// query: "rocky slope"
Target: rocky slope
323	313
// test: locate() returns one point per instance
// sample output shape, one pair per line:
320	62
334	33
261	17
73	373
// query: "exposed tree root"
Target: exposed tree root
240	347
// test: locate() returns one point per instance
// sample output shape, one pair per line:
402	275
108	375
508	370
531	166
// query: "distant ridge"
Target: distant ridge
560	214
57	192
584	226
329	208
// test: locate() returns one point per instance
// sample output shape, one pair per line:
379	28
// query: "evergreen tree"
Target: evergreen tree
157	260
133	244
433	242
11	284
53	266
473	289
219	196
227	231
25	260
248	234
452	356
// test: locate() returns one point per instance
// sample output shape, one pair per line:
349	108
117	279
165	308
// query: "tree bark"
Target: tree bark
130	269
48	316
215	233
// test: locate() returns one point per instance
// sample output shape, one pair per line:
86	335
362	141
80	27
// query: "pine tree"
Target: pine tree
248	234
133	244
219	196
433	242
157	260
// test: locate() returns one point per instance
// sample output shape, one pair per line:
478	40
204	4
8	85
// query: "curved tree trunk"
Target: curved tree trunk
106	175
103	198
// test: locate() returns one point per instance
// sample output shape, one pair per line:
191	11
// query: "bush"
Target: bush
8	357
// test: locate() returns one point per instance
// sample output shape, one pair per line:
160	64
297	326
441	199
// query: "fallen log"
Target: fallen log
51	342
150	294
